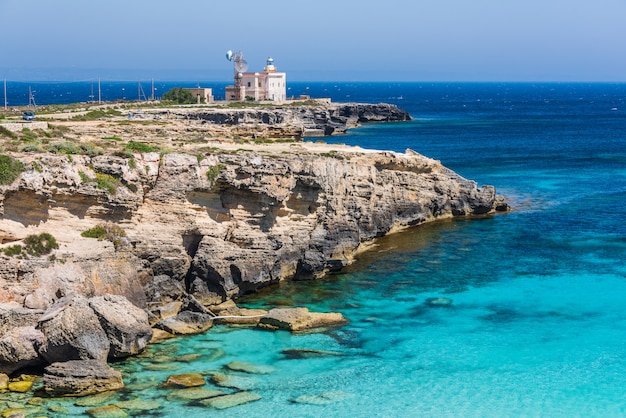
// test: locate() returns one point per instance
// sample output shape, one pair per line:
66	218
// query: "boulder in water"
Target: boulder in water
300	319
125	325
80	378
186	323
72	332
18	348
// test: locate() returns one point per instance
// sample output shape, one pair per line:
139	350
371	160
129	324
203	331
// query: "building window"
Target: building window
248	84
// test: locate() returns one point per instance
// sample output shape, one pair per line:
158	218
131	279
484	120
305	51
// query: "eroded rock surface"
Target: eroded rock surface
81	378
218	226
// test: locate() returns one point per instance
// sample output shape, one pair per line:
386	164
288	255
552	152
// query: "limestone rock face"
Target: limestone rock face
81	378
298	121
18	349
72	331
222	225
125	325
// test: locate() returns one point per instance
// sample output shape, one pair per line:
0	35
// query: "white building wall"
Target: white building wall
265	86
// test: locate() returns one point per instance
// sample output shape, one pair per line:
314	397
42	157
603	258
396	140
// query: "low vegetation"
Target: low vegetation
98	114
34	245
103	181
4	132
10	169
140	147
107	231
214	171
71	148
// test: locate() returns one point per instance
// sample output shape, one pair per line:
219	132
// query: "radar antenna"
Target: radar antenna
240	66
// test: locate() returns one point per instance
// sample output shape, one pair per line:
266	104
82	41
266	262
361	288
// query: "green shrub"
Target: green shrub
32	147
109	231
64	148
13	250
103	181
10	169
73	148
6	133
97	231
28	135
84	177
179	95
58	130
140	147
106	182
38	245
213	172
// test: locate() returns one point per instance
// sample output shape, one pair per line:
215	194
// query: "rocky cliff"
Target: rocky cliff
296	121
222	223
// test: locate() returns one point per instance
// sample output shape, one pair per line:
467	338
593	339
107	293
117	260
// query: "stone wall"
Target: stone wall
18	126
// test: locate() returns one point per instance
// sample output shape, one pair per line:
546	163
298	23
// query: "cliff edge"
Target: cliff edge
223	223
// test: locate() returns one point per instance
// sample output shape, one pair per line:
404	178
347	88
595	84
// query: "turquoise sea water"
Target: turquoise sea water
537	324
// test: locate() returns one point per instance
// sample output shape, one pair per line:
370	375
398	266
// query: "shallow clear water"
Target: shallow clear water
537	324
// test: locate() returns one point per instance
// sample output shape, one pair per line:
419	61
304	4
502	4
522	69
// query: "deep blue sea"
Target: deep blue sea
537	324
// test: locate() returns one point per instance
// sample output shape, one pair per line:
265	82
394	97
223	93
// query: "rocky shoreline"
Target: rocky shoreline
186	232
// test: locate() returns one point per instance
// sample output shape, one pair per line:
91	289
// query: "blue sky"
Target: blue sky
365	40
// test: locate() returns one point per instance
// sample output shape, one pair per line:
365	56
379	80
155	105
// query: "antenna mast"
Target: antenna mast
31	98
140	92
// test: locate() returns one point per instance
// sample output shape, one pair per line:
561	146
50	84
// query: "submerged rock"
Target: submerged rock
325	398
20	386
97	399
229	401
139	405
241	366
185	380
304	353
80	378
235	382
193	394
438	302
108	411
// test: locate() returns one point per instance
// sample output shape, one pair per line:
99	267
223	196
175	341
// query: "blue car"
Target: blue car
28	116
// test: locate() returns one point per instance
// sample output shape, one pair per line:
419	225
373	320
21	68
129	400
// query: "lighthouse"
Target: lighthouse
269	85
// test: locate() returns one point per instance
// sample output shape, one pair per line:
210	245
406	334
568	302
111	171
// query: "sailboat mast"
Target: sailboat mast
99	92
5	94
